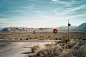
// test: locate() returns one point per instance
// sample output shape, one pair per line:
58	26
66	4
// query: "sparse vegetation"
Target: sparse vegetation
62	48
42	36
57	50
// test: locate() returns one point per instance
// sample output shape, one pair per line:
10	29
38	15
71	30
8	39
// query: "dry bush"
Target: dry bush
26	38
70	45
66	55
46	52
77	53
58	42
35	48
43	36
81	52
76	46
20	39
50	52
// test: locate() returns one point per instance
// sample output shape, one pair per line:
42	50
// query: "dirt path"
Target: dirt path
18	49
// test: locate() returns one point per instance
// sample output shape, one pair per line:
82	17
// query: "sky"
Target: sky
42	13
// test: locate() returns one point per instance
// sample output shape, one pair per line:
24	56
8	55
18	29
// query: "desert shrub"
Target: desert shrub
72	43
49	36
56	49
78	44
34	48
47	44
1	37
30	37
81	52
42	53
26	38
49	52
76	47
66	40
16	38
20	39
58	42
62	44
69	46
9	39
50	45
66	55
81	43
31	55
76	53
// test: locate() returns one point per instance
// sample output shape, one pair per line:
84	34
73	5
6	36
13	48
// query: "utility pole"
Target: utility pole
68	30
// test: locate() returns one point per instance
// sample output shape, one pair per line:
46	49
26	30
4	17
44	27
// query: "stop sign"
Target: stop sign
33	32
55	31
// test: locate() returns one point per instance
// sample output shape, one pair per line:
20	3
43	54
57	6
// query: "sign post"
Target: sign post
33	32
55	31
68	30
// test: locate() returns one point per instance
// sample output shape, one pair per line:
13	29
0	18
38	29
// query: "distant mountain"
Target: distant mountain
14	29
23	29
66	27
1	28
82	26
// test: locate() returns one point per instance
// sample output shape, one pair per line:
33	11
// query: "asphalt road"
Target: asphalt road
18	48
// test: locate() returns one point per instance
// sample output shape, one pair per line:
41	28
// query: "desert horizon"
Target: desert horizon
42	28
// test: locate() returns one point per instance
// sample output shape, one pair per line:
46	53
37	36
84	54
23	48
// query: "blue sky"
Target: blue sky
41	13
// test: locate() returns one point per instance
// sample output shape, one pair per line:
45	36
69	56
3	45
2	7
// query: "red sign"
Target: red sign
55	31
34	32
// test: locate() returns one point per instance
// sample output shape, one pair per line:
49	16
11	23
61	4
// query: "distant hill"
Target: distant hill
23	29
82	26
66	27
1	28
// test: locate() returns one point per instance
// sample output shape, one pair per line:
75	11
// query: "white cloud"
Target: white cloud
41	14
71	10
54	18
3	20
37	11
16	11
42	21
29	21
65	2
29	7
4	15
80	15
49	19
44	16
61	11
53	0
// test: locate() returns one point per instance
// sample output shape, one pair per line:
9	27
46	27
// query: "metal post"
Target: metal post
55	38
68	30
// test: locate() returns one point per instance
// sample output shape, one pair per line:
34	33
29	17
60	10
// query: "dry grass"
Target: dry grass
56	50
40	36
